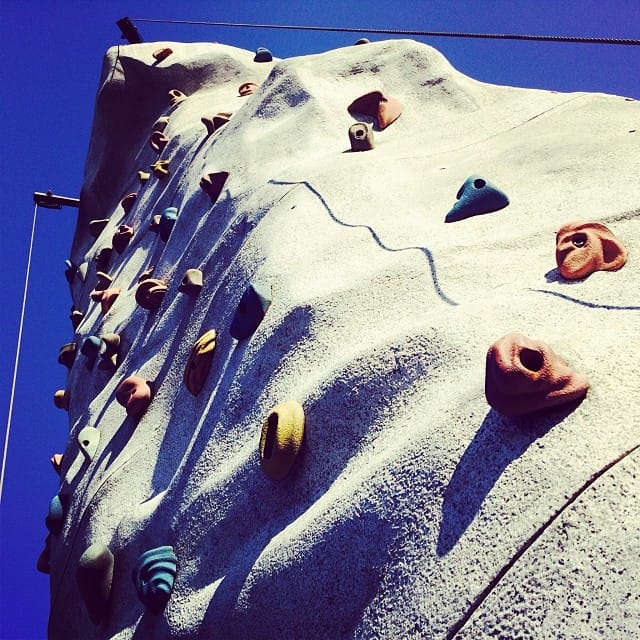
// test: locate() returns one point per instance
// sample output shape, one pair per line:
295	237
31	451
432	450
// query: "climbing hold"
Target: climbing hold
56	462
76	317
70	271
199	361
384	109
585	247
167	220
88	440
361	137
176	97
212	184
122	237
102	259
146	274
475	197
134	394
158	141
94	575
44	560
153	577
96	226
155	223
161	123
192	282
109	350
90	349
143	176
104	280
247	88
55	518
108	298
262	55
524	375
251	310
361	41
161	54
61	399
82	271
150	293
213	124
67	354
281	439
160	168
128	201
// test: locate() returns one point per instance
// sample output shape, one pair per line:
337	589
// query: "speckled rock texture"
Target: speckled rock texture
413	509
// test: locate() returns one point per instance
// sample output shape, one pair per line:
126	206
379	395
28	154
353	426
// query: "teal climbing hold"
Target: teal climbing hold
94	575
153	577
263	55
167	220
251	310
88	440
55	518
475	197
90	350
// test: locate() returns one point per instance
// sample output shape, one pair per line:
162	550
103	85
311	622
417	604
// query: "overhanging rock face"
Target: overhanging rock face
405	506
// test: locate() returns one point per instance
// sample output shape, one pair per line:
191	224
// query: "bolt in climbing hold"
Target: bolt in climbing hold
361	137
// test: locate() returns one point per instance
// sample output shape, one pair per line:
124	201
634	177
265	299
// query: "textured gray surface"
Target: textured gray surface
415	511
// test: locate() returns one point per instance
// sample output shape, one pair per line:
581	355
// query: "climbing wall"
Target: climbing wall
284	295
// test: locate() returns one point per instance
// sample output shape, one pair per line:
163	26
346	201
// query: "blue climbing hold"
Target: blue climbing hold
153	577
167	220
252	308
70	271
55	519
475	197
90	350
263	55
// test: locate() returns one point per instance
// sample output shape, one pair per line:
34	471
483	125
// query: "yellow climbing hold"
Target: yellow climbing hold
160	168
199	362
281	439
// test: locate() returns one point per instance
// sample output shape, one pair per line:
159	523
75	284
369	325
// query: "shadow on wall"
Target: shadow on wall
498	442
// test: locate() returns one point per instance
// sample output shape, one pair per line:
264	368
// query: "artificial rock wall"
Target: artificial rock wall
412	509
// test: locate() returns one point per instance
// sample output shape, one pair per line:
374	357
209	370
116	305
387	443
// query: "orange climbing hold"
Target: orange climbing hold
176	96
161	54
247	88
134	394
150	293
61	399
585	247
384	109
122	237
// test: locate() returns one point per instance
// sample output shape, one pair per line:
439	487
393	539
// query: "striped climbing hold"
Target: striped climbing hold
281	439
199	362
476	197
153	577
94	575
250	311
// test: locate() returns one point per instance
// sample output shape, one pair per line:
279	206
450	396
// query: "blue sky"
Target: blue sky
51	58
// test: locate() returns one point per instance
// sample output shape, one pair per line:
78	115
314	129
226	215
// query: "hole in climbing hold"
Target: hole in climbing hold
85	443
272	427
478	183
579	240
532	360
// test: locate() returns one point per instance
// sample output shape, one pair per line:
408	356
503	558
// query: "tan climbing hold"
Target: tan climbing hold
61	399
143	176
247	88
104	280
199	362
158	141
122	237
160	124
176	96
215	123
56	462
67	354
150	293
191	282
